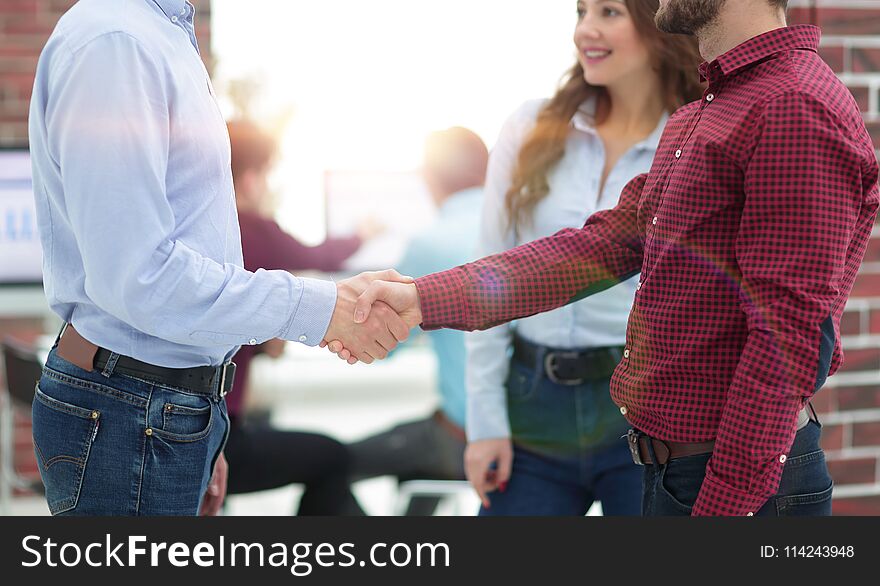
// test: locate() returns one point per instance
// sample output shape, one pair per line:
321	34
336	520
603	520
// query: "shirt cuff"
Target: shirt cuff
312	316
718	498
441	299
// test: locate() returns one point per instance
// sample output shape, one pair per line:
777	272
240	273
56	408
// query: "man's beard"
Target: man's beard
687	17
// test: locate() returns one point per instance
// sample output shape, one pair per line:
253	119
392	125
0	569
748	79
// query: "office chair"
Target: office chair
22	368
452	491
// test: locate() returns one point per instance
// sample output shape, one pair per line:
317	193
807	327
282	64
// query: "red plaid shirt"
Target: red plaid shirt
747	233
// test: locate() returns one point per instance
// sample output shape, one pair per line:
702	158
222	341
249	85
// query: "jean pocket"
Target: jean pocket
681	480
522	382
189	418
805	487
63	436
814	504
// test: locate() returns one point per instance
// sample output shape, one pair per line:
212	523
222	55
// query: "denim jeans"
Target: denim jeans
804	490
117	445
568	450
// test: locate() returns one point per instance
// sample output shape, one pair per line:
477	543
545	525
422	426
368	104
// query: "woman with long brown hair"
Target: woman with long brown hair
544	435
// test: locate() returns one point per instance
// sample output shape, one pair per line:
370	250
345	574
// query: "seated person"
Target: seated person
259	456
433	448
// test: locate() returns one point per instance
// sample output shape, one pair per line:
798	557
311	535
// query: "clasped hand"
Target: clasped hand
374	312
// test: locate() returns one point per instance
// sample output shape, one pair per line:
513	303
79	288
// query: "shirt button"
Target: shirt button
678	154
654	221
252	341
303	338
626	353
623	410
782	459
710	97
174	18
750	515
639	287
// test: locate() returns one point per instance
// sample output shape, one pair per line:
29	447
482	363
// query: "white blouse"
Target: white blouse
598	320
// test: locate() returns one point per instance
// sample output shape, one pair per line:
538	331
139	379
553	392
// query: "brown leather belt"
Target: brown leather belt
202	380
667	450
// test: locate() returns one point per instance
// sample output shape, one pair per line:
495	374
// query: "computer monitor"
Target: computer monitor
20	250
398	201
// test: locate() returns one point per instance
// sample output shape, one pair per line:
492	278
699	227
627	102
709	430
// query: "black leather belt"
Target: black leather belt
202	380
568	367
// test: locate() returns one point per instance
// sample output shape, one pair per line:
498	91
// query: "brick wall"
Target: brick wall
849	405
24	27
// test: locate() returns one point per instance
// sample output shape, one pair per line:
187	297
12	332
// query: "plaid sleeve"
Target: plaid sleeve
540	275
803	199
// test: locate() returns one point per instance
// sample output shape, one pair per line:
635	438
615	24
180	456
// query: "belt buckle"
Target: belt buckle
550	366
632	439
224	369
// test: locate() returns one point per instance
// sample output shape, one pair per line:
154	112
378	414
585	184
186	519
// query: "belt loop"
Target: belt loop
650	443
815	415
60	333
111	365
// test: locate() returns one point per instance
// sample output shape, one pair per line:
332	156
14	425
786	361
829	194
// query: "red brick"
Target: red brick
825	401
832	437
857	471
833	56
18	64
19	6
867	285
862	96
865	60
865	433
874	321
861	360
800	15
28	25
851	323
863	506
851	398
872	254
847	21
874	130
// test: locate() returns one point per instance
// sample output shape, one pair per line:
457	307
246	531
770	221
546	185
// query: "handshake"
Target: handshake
374	311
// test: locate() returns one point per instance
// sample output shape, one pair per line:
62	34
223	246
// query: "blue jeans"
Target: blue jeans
804	490
568	450
117	445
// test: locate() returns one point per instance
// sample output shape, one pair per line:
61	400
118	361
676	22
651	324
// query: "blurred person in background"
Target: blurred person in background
454	171
261	457
544	434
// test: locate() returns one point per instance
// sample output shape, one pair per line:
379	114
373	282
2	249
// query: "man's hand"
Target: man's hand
375	335
479	457
213	499
402	297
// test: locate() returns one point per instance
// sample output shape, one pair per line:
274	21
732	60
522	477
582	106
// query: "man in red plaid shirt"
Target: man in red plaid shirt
746	237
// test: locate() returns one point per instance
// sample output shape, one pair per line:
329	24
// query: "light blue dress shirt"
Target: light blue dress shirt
135	204
599	320
448	242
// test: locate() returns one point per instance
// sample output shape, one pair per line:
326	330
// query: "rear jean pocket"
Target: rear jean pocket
63	435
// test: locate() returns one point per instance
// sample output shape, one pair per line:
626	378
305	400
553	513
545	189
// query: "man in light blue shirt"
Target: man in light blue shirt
433	448
142	258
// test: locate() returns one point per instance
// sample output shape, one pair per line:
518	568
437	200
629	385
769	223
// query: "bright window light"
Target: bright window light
365	82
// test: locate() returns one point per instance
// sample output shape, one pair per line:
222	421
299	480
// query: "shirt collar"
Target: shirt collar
172	7
758	48
585	121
